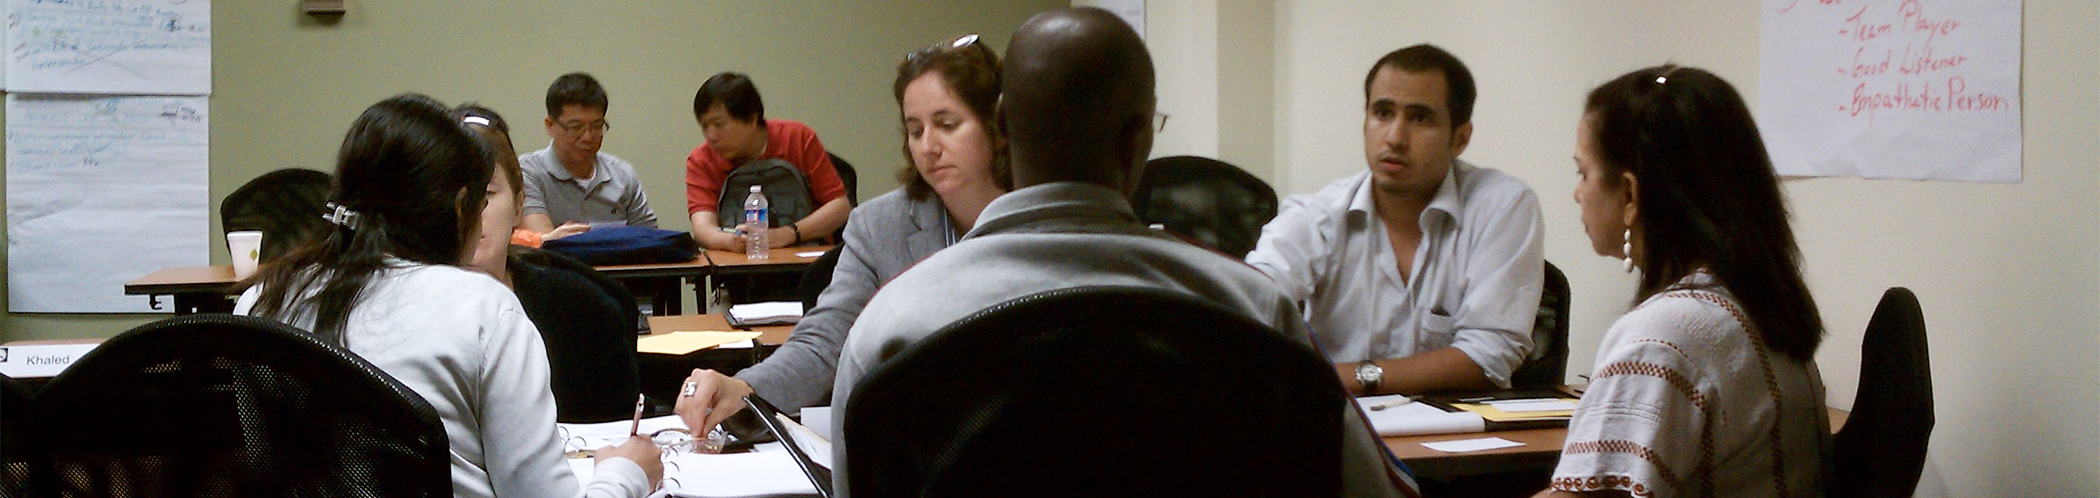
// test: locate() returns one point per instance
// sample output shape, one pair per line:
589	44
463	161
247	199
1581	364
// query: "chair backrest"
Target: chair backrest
818	276
285	205
1096	391
588	323
223	405
848	177
1205	200
1881	449
17	430
787	193
1547	366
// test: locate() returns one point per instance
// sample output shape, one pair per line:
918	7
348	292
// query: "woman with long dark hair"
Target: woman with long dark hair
1708	386
385	282
955	165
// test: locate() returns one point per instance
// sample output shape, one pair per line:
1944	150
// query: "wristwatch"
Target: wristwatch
1370	375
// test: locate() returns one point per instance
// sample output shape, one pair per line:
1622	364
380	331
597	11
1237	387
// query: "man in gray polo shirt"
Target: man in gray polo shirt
569	185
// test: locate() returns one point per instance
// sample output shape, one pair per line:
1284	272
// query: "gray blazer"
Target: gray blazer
883	237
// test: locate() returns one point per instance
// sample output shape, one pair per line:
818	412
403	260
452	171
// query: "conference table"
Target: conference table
661	373
1541	450
208	289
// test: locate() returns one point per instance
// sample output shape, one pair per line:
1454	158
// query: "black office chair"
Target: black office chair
285	205
1095	391
588	323
17	444
818	276
1205	200
1881	449
1547	366
224	405
848	177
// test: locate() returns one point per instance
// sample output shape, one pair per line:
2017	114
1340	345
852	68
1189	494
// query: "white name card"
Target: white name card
42	360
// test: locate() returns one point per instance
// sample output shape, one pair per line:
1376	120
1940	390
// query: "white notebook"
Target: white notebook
767	313
1417	418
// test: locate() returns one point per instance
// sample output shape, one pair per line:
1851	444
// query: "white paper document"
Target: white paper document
102	191
767	469
42	360
767	313
816	447
1534	405
150	47
1912	89
818	419
1466	445
1418	418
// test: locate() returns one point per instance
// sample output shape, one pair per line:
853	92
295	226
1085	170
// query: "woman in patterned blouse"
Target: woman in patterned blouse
1708	386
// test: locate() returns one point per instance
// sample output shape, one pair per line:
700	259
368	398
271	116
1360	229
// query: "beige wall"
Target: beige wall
2008	274
1214	61
286	87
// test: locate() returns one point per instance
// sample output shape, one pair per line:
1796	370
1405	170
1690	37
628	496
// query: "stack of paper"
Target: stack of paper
1518	410
768	313
677	343
1418	418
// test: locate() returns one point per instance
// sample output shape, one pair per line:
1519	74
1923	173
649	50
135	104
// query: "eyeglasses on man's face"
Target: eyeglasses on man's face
580	127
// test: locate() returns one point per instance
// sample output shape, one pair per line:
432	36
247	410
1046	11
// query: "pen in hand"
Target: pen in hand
637	429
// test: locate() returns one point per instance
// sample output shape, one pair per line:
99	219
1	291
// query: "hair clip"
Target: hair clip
1665	76
475	120
341	215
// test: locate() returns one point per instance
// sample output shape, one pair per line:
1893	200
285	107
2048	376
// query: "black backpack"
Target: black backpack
787	193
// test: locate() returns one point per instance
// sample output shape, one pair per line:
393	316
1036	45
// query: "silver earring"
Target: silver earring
1627	249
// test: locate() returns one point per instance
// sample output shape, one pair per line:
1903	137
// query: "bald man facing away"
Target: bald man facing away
1077	107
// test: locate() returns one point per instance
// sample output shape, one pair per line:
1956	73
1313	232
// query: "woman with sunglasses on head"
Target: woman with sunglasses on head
945	94
386	283
1708	386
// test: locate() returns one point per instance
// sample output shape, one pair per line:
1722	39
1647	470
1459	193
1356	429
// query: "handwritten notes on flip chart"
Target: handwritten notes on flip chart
101	191
153	47
1912	89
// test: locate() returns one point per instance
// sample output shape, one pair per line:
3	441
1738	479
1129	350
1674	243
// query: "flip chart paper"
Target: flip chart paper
1912	89
155	47
102	191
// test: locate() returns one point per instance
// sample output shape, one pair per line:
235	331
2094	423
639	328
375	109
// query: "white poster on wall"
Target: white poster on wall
154	47
1132	11
1911	89
102	191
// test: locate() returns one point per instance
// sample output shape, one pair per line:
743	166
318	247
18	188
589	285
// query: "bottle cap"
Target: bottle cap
754	189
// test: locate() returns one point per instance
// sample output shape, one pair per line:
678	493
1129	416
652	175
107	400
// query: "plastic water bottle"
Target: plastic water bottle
756	213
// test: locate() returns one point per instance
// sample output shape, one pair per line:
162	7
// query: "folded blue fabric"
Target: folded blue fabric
626	246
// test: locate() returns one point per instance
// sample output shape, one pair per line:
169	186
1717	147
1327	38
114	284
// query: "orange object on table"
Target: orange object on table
527	238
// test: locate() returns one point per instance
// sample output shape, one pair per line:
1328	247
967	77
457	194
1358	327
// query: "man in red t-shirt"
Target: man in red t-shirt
734	121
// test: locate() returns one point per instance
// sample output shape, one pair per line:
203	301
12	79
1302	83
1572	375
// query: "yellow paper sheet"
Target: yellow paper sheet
1493	414
687	342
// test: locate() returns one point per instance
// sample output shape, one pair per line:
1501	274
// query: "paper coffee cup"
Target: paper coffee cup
246	249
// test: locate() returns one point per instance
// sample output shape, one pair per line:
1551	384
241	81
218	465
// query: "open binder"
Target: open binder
819	475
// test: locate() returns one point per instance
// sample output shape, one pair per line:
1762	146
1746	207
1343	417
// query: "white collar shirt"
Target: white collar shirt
1478	270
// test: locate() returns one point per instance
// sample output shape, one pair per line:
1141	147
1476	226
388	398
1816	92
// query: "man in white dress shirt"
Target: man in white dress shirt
1424	272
